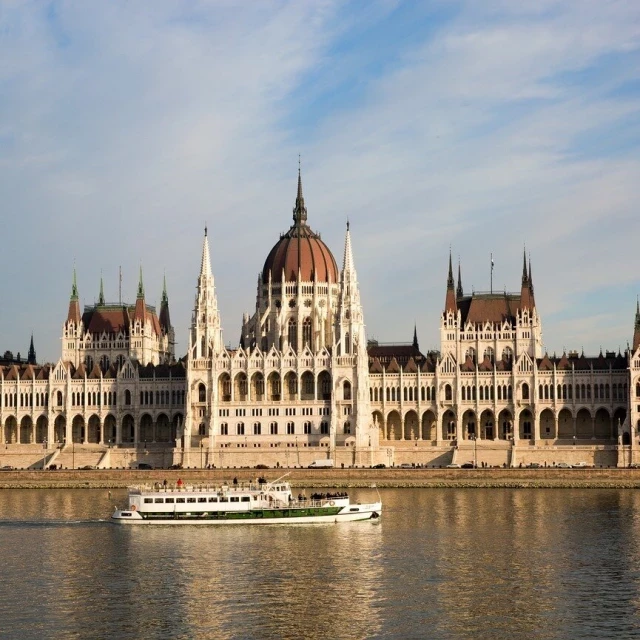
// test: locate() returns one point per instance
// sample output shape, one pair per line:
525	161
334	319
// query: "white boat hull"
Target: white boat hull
348	514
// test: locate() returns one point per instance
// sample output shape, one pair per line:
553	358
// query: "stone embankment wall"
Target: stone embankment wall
436	478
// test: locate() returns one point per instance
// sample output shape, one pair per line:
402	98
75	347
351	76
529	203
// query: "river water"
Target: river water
442	563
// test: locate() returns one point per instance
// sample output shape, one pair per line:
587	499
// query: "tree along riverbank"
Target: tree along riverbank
338	478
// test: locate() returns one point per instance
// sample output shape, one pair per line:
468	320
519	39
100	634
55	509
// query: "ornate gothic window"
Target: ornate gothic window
306	333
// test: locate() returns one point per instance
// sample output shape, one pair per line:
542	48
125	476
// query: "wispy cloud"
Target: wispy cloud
484	126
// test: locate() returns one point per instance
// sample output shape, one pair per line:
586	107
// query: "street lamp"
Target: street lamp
44	460
201	454
475	450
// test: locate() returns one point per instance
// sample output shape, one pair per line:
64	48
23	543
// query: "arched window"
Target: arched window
471	353
347	343
464	393
224	429
347	427
292	334
388	394
59	398
202	393
447	392
488	353
525	391
257	428
507	354
306	427
240	429
127	397
306	333
405	394
346	390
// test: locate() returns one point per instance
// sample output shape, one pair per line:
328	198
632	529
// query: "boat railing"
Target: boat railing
159	487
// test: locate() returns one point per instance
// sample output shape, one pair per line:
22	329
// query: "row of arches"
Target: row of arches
583	391
24	399
289	387
600	424
93	431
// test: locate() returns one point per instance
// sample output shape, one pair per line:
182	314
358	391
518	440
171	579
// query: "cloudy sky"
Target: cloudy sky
481	125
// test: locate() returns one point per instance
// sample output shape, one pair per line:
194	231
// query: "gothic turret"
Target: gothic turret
165	320
140	303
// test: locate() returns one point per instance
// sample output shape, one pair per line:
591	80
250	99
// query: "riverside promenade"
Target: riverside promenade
338	478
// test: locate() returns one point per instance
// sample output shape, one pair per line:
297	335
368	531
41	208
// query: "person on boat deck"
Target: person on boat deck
235	482
179	483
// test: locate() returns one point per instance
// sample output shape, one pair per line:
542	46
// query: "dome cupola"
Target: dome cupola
300	252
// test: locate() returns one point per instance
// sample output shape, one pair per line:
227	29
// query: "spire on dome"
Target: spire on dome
415	336
101	296
140	295
299	211
459	291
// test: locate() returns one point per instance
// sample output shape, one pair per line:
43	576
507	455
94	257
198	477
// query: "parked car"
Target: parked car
262	466
175	466
144	465
453	466
467	465
534	465
406	465
87	467
380	466
580	465
7	467
563	465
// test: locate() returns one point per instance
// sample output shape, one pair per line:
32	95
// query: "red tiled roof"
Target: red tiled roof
484	307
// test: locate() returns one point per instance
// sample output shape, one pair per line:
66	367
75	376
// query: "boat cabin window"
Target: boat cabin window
255	497
181	500
235	499
160	500
191	499
223	499
148	500
245	498
169	500
213	499
202	499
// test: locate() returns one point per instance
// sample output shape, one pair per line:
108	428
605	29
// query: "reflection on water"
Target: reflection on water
444	563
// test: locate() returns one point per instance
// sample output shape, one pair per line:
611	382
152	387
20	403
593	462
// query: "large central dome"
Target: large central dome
300	251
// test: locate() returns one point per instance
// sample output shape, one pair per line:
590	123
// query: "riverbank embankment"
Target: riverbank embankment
339	478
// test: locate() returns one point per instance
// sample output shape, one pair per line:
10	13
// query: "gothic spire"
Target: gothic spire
31	358
450	281
347	264
299	211
101	296
530	276
415	336
74	286
140	295
74	305
459	291
525	277
205	263
450	301
165	320
165	297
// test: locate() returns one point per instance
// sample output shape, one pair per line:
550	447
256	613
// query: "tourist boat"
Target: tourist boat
258	502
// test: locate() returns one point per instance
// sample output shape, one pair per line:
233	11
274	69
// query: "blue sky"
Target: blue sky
484	126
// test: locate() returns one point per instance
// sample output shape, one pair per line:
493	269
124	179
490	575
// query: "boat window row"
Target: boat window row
199	499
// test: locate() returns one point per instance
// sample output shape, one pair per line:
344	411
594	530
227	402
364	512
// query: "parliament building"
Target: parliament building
305	384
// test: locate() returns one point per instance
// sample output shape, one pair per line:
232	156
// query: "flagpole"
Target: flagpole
492	273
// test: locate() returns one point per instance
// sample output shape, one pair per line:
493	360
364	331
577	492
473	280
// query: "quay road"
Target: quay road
338	478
